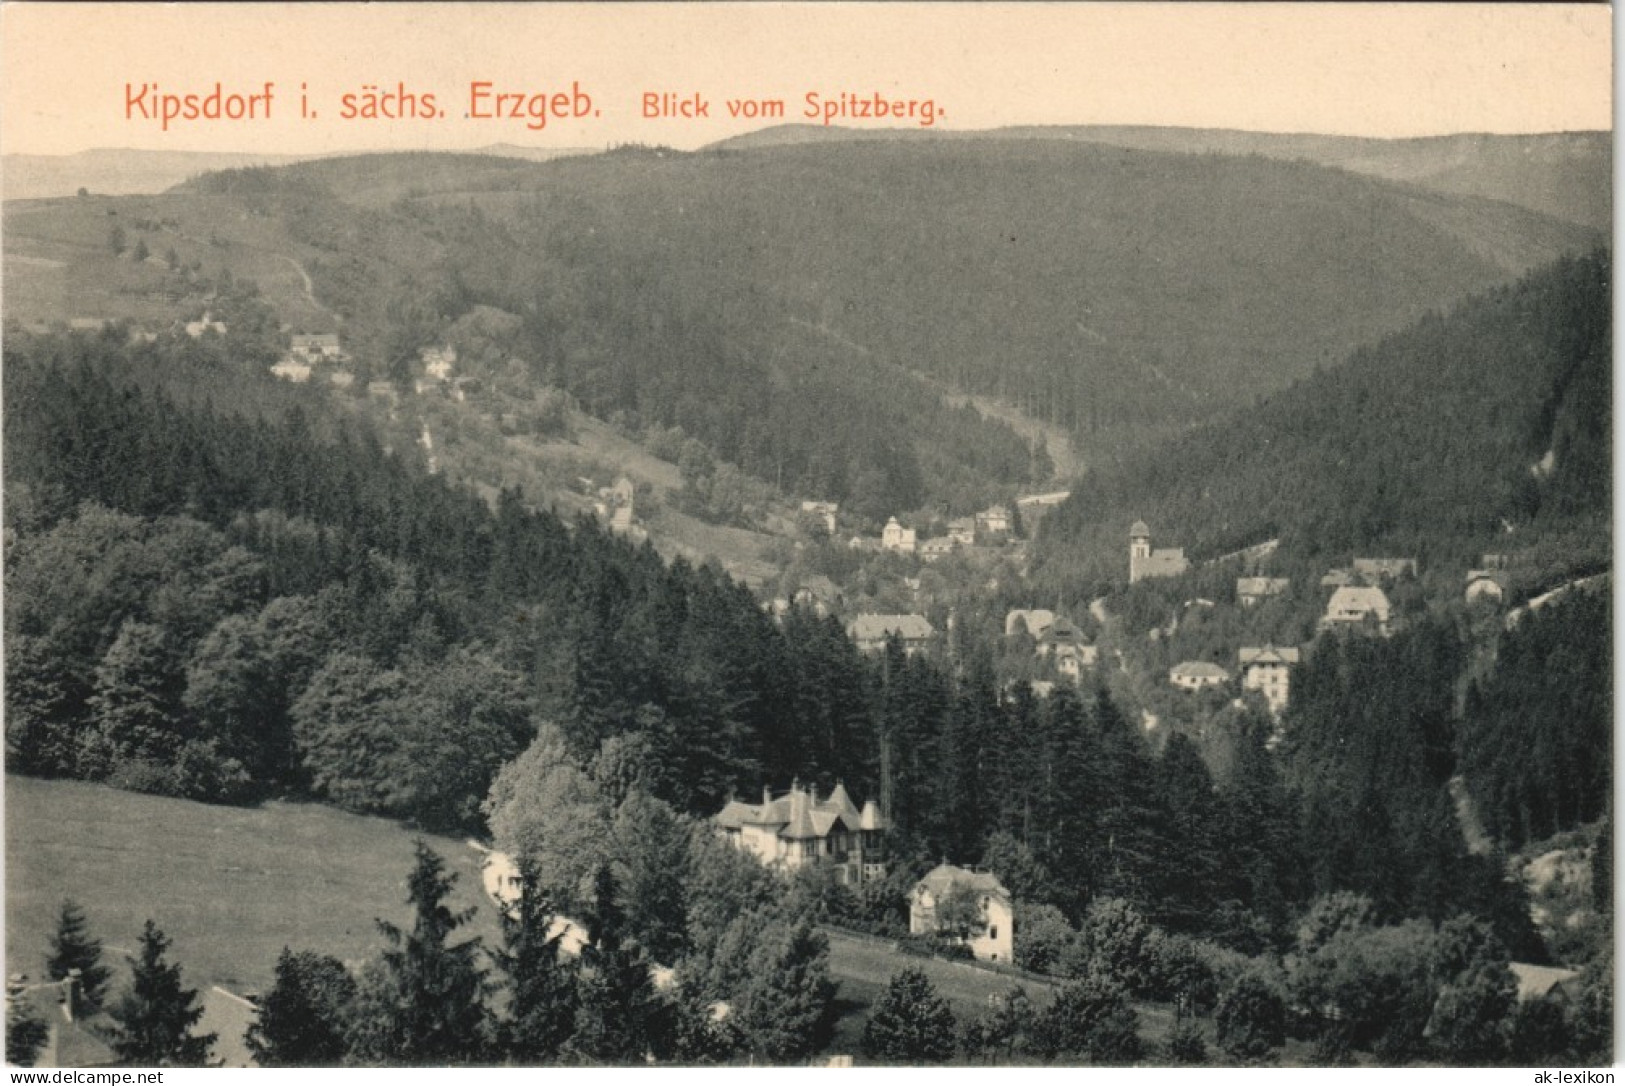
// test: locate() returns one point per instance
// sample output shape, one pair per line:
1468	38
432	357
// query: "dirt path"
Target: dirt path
1056	439
310	288
1057	442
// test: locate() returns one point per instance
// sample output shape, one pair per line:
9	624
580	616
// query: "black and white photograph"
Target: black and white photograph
808	535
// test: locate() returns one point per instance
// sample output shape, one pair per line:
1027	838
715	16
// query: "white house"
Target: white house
1144	562
1252	591
991	936
896	538
1352	606
1197	675
1268	670
869	632
798	828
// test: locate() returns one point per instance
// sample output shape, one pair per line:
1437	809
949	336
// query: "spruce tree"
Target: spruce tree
541	986
72	947
617	1018
302	1018
156	1016
421	1001
786	1008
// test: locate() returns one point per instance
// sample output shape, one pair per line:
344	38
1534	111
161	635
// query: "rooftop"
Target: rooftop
945	876
880	627
1199	669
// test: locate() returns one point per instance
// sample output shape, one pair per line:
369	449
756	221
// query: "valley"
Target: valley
1197	543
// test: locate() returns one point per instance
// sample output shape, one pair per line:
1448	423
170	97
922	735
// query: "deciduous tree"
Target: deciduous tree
910	1022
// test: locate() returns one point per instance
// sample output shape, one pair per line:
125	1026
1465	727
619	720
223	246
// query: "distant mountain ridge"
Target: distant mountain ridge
1568	175
123	171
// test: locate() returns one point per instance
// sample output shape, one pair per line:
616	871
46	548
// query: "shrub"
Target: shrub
1251	1017
1185	1044
1091	1017
910	1022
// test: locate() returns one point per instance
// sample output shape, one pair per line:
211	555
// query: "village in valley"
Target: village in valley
608	609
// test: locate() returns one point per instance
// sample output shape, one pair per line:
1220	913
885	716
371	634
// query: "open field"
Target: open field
231	886
60	266
863	966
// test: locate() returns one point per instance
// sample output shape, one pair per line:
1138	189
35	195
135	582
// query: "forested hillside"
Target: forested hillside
204	605
780	306
227	607
802	311
1487	428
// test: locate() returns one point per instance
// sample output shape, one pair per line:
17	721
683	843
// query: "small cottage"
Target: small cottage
966	905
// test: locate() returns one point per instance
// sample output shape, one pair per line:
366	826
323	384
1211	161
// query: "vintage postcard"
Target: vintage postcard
808	535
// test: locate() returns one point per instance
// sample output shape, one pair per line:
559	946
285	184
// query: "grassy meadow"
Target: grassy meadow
230	886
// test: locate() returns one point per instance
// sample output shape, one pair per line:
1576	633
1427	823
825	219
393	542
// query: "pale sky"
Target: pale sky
1377	70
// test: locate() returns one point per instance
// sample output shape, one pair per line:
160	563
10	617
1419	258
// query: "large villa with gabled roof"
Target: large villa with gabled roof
798	828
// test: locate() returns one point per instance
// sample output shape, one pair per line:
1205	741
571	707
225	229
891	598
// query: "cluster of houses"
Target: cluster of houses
800	828
990	527
1358	603
309	350
311	354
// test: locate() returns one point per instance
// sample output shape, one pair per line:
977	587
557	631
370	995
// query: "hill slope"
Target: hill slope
230	886
1438	440
1115	292
801	310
